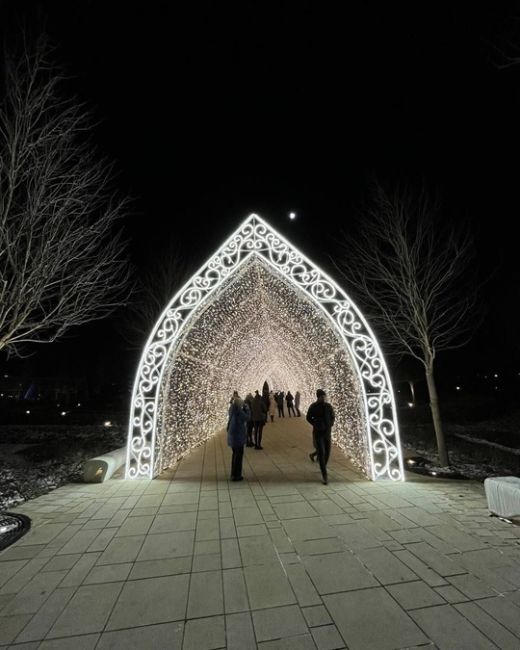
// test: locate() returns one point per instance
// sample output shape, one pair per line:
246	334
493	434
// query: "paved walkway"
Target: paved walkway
278	561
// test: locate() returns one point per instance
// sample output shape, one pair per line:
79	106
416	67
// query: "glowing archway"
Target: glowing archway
256	247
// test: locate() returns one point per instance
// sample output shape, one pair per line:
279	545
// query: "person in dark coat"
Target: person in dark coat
321	416
259	417
290	403
279	403
249	401
236	435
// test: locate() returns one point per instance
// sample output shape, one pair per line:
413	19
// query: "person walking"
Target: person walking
290	403
321	416
236	434
249	401
279	402
272	406
297	398
259	416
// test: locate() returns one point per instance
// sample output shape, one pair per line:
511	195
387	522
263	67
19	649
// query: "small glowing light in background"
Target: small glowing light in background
410	404
496	387
78	404
410	461
433	473
495	376
457	387
292	215
107	423
63	413
1	394
28	412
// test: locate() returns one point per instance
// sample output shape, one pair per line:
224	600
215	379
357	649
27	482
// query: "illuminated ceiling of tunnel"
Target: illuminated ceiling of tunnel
260	310
258	328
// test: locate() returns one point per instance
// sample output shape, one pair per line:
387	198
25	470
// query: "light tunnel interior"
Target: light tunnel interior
258	326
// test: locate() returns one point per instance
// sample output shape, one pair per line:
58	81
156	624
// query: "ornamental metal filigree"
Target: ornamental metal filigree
256	237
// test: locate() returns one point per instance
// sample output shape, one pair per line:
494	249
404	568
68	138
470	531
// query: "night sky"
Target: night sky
213	110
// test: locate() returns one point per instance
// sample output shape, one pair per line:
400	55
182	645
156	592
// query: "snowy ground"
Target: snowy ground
35	460
476	450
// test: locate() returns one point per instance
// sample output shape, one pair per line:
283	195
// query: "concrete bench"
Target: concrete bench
503	496
101	468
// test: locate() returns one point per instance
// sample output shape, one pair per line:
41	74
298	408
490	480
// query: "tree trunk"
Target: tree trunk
436	416
412	391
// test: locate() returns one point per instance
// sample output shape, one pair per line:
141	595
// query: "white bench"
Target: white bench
503	496
101	468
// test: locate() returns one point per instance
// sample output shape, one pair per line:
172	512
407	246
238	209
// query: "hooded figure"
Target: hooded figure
236	435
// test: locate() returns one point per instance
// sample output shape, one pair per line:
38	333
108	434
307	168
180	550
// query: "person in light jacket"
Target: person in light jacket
236	435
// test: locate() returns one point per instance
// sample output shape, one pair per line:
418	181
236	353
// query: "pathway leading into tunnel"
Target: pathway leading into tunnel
277	561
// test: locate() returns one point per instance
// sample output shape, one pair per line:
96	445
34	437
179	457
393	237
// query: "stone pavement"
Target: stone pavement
278	561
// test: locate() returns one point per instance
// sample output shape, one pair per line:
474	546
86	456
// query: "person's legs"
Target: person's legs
234	464
327	443
313	455
257	427
238	456
279	411
259	436
298	412
321	449
272	418
250	433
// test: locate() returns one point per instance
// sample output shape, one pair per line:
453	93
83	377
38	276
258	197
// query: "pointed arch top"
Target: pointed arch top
256	237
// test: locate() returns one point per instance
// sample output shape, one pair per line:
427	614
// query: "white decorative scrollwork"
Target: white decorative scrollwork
256	237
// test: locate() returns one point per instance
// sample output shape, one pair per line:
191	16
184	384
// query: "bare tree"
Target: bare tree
62	257
155	287
413	273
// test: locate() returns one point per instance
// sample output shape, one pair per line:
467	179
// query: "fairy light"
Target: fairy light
260	310
257	329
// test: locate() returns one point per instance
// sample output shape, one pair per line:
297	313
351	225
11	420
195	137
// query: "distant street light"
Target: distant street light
292	215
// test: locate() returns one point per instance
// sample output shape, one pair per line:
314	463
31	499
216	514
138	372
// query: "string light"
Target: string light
259	310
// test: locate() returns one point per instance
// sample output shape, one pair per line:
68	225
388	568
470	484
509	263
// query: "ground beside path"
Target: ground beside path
277	561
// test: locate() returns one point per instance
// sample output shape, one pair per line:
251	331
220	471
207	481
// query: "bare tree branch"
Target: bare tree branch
62	256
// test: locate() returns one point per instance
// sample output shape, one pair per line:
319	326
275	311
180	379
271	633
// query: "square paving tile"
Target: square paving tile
87	611
278	623
327	638
206	597
166	545
316	615
413	595
239	632
353	613
268	586
449	630
149	601
205	634
337	572
385	566
308	528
